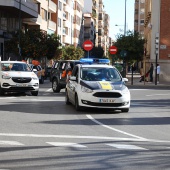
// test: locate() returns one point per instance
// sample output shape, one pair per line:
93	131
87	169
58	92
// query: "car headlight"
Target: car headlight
86	90
35	78
6	77
125	91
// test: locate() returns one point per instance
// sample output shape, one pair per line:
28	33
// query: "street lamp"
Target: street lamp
19	45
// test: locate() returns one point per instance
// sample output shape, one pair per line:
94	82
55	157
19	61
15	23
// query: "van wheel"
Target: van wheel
34	93
55	86
42	80
77	106
1	91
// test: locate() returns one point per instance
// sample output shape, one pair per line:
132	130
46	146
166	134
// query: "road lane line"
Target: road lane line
122	146
49	90
10	143
157	95
108	127
66	144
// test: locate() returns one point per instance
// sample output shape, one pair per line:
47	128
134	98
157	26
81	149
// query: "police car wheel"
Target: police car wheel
78	108
55	86
67	98
1	91
125	110
34	93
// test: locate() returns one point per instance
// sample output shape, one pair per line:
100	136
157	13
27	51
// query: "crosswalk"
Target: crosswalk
74	145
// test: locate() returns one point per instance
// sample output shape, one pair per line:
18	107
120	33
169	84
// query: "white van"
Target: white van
16	76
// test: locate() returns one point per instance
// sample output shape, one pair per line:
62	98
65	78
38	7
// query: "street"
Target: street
43	132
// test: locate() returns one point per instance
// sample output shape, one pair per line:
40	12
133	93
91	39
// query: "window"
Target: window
142	22
142	10
59	5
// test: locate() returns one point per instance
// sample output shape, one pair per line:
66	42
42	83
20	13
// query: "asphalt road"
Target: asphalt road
43	133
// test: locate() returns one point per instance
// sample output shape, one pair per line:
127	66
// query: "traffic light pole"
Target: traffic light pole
156	62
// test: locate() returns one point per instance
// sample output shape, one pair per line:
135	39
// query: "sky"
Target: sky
116	11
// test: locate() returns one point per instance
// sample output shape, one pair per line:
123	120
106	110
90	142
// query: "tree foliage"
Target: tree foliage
133	44
34	44
97	52
71	53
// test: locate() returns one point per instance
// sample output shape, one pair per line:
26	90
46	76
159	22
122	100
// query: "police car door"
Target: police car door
73	85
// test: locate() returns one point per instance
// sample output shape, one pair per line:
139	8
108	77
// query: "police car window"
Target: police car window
56	65
100	74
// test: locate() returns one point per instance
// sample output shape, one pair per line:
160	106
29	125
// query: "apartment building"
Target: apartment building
157	29
139	16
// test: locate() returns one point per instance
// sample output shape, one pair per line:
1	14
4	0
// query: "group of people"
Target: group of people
150	73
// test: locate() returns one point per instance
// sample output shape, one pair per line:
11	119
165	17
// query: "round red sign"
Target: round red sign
87	45
113	49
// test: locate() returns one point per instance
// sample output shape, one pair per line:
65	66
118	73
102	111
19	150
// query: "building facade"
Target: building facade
157	26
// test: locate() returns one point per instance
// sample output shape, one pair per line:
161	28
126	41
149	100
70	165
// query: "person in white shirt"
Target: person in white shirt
158	72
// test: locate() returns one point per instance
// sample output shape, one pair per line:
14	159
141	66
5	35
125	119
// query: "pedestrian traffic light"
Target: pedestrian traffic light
157	43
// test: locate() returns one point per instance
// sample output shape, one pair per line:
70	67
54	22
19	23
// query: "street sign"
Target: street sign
113	49
87	45
123	53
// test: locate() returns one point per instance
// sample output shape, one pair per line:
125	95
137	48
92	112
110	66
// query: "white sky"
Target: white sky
116	11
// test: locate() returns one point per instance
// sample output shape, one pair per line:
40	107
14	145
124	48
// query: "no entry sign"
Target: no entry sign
87	45
113	49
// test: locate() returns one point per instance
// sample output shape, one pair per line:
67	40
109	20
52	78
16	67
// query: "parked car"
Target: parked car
59	73
38	71
16	76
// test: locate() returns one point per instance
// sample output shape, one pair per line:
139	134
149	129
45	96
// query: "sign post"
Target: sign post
113	50
87	45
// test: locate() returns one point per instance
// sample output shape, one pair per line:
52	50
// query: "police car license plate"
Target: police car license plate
106	100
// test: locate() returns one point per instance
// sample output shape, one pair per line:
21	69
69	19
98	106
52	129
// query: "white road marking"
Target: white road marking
106	126
82	137
122	146
8	97
66	144
158	95
10	143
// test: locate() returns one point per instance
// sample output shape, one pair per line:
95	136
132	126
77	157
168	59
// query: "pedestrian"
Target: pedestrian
158	72
151	72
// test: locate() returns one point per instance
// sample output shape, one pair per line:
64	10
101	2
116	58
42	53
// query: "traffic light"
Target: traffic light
157	43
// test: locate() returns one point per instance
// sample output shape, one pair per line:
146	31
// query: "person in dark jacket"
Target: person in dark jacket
151	72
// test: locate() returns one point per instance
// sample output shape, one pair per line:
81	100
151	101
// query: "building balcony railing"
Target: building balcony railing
51	25
52	7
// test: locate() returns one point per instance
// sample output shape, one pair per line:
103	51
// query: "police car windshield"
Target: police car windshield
15	67
100	74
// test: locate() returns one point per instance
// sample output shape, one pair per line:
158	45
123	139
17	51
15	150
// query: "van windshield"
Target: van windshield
15	67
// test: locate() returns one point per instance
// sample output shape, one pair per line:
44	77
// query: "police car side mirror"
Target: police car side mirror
73	78
125	79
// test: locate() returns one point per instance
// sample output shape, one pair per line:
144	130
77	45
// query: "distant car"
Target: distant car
39	71
97	86
16	76
60	72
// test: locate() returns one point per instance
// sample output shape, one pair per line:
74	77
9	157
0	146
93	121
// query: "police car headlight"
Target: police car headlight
5	77
125	91
35	78
86	90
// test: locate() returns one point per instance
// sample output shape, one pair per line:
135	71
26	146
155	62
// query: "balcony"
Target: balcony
51	25
66	39
52	7
28	8
33	21
66	8
67	24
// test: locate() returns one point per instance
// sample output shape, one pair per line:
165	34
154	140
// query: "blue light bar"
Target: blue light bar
94	60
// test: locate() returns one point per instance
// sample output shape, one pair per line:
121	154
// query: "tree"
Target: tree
130	47
34	44
72	53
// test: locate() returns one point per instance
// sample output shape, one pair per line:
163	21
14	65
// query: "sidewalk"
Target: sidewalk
134	83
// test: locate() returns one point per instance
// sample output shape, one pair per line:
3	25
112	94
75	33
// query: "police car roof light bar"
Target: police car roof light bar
94	61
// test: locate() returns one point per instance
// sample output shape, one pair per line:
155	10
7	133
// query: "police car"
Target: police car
97	85
16	76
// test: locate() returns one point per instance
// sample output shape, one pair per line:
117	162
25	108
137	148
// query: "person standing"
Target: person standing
158	72
151	72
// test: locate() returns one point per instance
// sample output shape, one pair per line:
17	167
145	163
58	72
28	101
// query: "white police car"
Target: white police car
16	76
97	85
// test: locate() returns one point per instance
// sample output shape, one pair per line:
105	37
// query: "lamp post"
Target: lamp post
19	36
